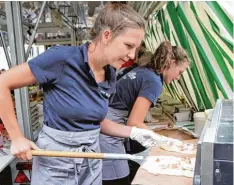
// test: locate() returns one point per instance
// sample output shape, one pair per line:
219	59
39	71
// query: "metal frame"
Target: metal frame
204	168
50	27
207	150
15	33
18	55
5	49
53	41
34	31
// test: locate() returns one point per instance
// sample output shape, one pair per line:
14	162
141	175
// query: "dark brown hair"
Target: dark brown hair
162	57
116	16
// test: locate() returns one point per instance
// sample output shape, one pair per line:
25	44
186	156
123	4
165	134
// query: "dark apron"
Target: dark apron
114	169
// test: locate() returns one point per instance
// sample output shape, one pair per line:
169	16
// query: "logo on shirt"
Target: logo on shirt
107	95
132	75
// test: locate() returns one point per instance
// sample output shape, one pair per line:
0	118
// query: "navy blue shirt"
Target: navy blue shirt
139	82
73	100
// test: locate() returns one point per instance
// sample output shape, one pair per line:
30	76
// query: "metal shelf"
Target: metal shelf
5	160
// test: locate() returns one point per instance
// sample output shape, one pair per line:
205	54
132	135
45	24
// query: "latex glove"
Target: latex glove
146	138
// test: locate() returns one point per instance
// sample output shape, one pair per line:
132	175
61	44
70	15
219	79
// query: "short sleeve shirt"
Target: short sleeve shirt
139	82
73	100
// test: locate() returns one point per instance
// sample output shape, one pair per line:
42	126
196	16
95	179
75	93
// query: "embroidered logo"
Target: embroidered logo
132	75
105	94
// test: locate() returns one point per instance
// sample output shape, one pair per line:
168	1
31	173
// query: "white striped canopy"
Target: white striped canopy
205	30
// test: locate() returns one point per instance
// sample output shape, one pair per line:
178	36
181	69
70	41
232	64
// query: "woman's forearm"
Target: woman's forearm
14	78
7	113
139	112
111	128
137	124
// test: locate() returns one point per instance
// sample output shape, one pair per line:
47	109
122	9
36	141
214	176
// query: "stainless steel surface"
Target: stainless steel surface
214	153
207	148
197	170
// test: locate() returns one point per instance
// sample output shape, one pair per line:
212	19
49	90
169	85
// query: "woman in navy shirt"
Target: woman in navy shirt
77	82
136	92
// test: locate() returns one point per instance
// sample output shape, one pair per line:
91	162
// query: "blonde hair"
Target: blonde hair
162	57
116	16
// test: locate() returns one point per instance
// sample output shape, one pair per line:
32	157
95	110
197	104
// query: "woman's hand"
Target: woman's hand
146	138
21	148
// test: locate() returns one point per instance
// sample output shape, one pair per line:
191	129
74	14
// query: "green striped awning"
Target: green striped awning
205	30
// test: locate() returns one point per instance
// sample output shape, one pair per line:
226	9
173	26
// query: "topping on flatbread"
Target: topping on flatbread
179	147
170	165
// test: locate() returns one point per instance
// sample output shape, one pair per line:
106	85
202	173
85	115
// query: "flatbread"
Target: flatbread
170	165
179	147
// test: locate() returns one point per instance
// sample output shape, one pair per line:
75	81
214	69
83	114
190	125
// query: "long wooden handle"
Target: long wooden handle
67	154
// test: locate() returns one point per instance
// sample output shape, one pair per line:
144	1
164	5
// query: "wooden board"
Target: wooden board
174	133
145	178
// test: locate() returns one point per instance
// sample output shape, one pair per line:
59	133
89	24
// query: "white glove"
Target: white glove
146	138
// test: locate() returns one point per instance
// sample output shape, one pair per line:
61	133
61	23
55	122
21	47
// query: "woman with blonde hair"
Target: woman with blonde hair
77	82
137	89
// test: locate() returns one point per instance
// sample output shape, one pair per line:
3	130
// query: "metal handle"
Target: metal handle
90	155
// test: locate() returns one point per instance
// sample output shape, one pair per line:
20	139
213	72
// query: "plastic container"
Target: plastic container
199	122
182	116
207	112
